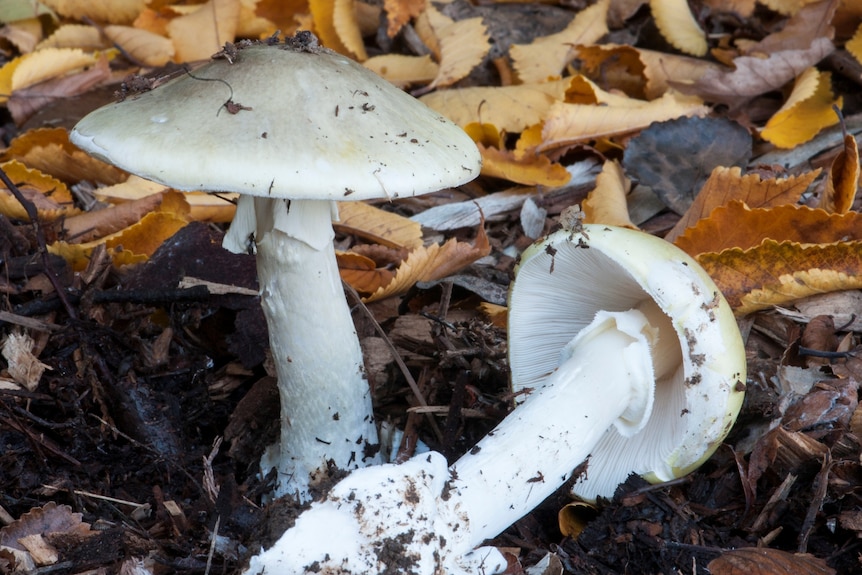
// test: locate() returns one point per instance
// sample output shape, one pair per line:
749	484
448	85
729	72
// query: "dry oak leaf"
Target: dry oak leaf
204	206
677	25
434	262
462	44
568	124
735	225
778	273
403	70
510	108
378	226
203	29
547	56
50	196
808	110
113	11
765	561
843	180
606	203
727	184
49	151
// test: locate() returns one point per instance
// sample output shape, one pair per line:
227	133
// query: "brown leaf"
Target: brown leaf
776	273
606	204
843	180
735	225
91	225
200	34
378	226
764	561
400	12
727	184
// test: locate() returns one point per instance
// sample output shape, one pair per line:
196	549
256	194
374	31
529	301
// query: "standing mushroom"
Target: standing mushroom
632	358
292	127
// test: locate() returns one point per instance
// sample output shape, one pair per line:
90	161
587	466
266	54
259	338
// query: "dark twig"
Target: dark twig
40	238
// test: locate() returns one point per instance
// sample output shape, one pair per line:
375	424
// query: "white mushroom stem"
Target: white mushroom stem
326	413
606	378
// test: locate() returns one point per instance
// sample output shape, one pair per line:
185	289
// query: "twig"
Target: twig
400	362
33	215
212	545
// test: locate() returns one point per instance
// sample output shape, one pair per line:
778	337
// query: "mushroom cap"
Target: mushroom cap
282	122
560	284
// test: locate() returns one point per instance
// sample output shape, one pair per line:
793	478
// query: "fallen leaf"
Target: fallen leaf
843	180
568	124
735	225
113	11
677	25
854	44
203	32
49	151
403	70
51	198
92	225
510	108
547	56
146	47
808	110
432	263
778	273
765	561
675	157
463	46
400	12
23	367
606	203
74	36
528	169
31	69
378	226
615	68
727	184
345	25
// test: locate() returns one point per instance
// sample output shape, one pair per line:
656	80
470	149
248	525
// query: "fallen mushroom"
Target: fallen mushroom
292	127
626	345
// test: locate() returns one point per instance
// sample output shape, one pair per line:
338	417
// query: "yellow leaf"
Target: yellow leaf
49	150
510	108
678	26
854	44
204	206
148	48
528	169
403	70
463	46
36	67
432	263
545	57
50	196
843	180
606	203
113	11
74	36
399	13
347	28
203	32
787	7
807	111
378	226
567	124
